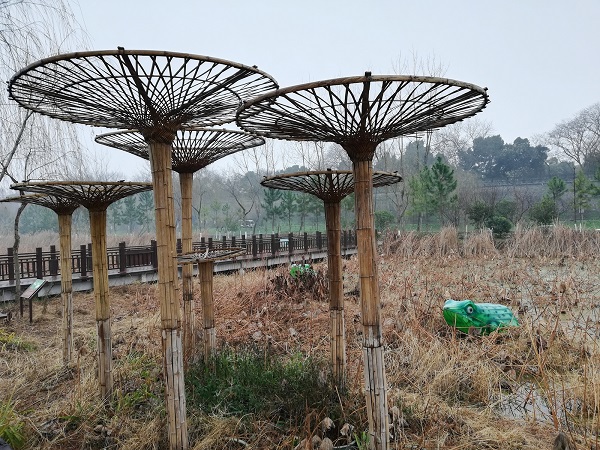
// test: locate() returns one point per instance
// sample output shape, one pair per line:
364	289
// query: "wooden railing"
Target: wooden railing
40	263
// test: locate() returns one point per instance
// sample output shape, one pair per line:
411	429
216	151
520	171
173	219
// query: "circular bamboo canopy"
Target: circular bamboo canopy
94	195
212	254
193	148
152	91
60	205
328	185
360	112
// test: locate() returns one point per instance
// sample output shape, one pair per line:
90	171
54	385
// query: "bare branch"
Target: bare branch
31	30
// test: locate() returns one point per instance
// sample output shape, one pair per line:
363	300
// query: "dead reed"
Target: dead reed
557	241
513	390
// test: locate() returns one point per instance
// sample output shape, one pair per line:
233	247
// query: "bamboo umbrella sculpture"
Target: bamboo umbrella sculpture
193	149
96	197
359	113
206	263
64	208
156	93
331	186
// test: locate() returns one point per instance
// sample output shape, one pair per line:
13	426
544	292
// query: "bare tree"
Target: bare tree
31	145
524	199
30	30
206	182
262	160
254	164
451	139
311	155
591	118
389	157
417	65
236	186
85	165
578	138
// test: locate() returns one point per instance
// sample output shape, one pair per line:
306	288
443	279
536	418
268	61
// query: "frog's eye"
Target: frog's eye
469	309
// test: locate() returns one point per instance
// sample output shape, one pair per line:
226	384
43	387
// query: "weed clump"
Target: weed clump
258	382
11	342
11	425
301	286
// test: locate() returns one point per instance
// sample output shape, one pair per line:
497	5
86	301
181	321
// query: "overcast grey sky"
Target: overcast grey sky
540	59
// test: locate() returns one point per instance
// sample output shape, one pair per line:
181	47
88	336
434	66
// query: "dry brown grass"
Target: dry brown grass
555	242
509	391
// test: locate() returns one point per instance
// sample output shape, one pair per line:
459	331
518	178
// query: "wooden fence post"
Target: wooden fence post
319	240
39	263
83	261
274	243
254	246
53	261
11	267
122	259
154	254
305	241
89	255
291	243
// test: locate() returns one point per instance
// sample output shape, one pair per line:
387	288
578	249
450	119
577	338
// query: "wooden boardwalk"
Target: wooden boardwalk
149	274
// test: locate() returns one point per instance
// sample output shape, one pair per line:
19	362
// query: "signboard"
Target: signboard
33	289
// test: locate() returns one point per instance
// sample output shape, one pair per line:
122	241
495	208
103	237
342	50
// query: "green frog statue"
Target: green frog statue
478	318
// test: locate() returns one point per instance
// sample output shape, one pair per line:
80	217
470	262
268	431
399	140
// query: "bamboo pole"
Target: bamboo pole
186	183
102	300
205	273
336	292
66	284
160	163
374	370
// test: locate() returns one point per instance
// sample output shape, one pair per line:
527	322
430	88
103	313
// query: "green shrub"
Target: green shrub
544	212
499	225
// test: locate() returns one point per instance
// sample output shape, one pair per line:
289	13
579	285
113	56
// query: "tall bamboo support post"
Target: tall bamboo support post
102	300
64	208
193	149
359	113
66	285
331	186
157	93
374	370
168	287
186	184
336	291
